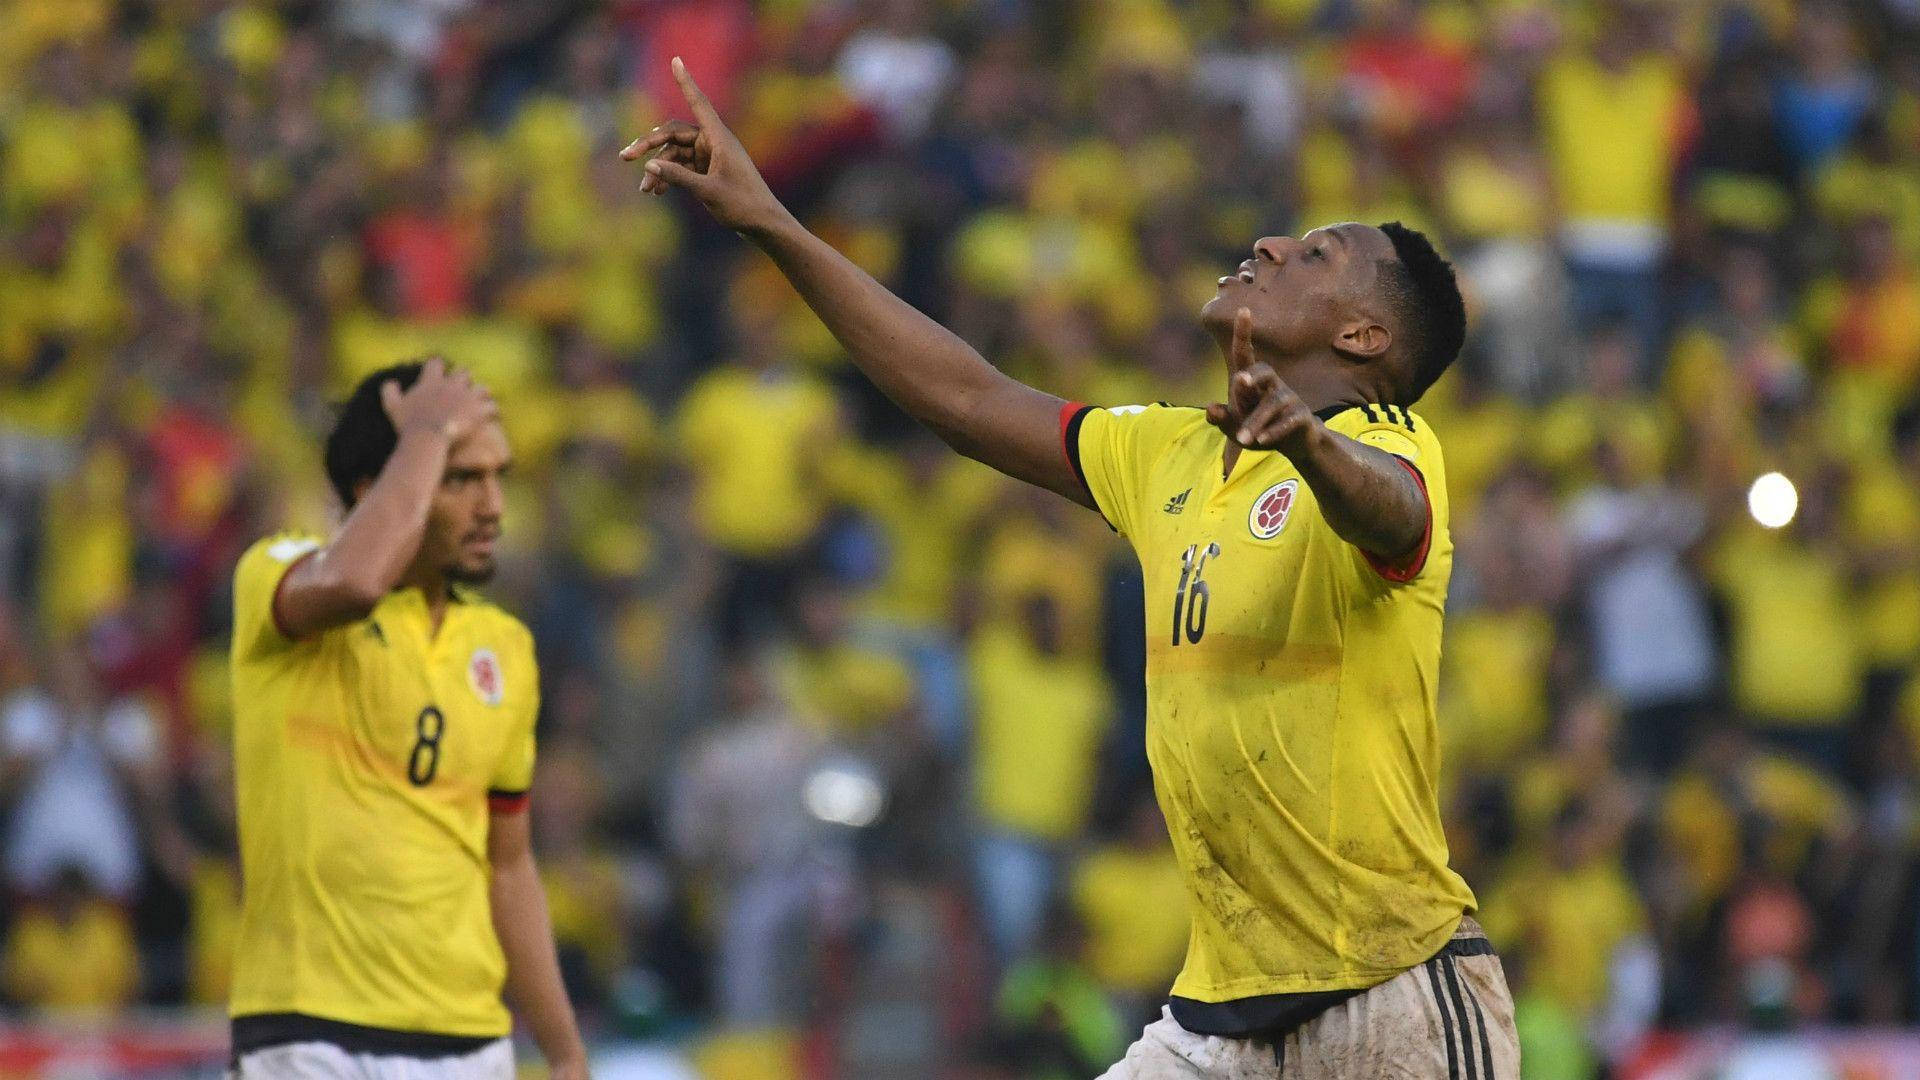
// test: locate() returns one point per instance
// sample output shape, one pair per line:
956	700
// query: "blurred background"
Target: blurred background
841	771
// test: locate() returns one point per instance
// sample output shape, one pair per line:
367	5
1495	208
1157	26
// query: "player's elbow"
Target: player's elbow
965	418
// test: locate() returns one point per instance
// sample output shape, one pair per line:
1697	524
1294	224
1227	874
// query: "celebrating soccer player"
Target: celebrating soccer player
1295	548
383	744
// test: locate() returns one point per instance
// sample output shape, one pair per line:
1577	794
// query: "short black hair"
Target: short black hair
1426	298
363	436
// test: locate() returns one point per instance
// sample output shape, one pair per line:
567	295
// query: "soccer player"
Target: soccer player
1294	542
383	744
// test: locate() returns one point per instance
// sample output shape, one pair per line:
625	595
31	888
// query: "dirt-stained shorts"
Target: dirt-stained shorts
1451	1018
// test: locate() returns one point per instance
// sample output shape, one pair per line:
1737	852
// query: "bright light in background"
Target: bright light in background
1771	500
844	795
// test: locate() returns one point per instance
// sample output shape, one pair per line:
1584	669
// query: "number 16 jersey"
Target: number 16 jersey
368	759
1290	702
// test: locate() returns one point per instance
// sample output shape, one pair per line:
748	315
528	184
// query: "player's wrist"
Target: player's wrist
773	227
572	1057
1306	444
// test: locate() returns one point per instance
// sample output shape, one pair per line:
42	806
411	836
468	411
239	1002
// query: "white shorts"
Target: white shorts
325	1061
1448	1019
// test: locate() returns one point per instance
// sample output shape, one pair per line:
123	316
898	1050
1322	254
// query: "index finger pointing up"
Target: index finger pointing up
1243	338
702	108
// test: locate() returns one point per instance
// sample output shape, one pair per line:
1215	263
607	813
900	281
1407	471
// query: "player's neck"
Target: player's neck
433	589
1318	387
1321	380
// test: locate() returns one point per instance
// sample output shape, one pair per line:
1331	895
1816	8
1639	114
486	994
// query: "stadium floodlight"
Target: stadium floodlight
1772	500
844	792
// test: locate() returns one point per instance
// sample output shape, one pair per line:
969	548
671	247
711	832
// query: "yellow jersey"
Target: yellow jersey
366	758
1291	702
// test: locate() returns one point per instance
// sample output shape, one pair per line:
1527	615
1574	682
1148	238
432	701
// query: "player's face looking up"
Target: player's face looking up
464	522
1312	295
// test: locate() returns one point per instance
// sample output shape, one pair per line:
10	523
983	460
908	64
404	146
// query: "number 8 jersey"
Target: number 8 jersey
367	760
1291	686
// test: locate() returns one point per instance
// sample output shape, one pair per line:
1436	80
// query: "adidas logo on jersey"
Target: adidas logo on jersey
1178	502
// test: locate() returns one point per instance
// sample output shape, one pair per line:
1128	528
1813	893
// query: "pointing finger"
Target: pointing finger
1243	338
703	110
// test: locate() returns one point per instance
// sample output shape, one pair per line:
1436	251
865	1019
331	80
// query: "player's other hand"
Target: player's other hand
705	158
1261	411
442	401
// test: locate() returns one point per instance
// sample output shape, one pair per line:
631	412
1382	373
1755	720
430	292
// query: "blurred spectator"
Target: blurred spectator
1040	714
1613	114
1577	921
756	433
898	68
73	951
1769	1050
1854	316
740	824
1653	647
1740	175
1829	89
84	774
1552	1041
1131	900
850	689
1513	569
1794	652
586	893
1735	808
1054	1020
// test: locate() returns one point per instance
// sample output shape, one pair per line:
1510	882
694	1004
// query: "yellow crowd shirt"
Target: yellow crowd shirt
1291	702
757	485
367	760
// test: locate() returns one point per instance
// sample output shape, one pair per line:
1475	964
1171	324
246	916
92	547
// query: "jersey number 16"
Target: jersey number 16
1190	595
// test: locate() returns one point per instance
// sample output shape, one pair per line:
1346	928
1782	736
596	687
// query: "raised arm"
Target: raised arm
1375	501
368	556
924	367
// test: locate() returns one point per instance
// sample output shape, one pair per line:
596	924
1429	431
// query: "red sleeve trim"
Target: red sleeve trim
273	605
1416	562
507	802
1072	414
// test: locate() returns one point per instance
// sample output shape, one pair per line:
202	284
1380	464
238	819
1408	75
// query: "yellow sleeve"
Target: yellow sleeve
1113	451
1409	437
255	582
513	776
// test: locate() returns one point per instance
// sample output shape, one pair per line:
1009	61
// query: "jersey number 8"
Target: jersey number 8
425	759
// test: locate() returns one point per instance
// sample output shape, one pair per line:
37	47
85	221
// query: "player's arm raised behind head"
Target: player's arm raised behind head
369	555
924	367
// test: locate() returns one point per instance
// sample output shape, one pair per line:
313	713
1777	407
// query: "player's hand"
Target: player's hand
1261	411
705	158
442	401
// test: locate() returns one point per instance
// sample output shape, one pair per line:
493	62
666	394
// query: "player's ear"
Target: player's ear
1363	340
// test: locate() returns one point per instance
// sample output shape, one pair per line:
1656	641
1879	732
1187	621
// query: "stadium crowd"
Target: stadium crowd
841	769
